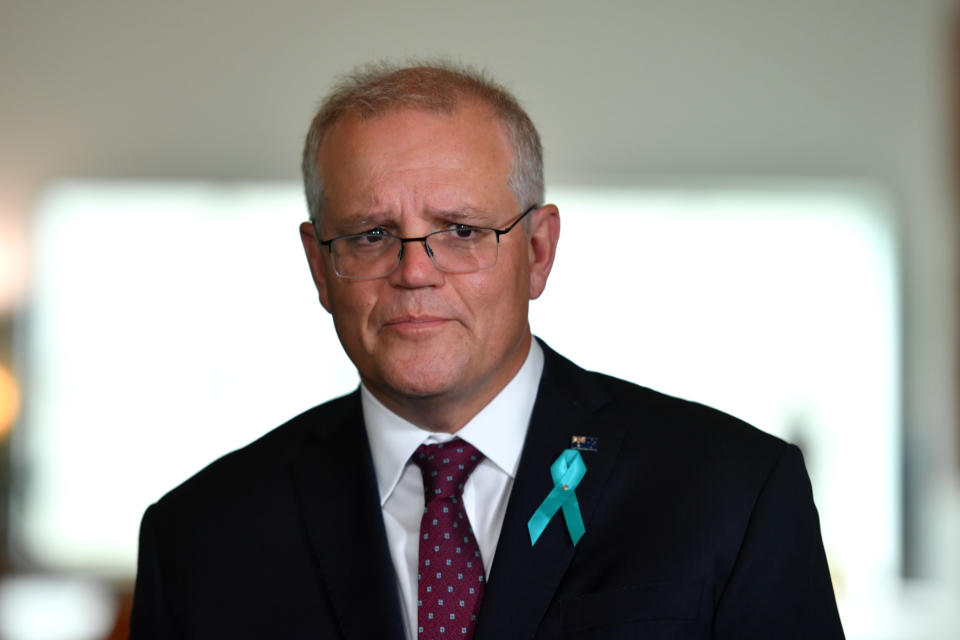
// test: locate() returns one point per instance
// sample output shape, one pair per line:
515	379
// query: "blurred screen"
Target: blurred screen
170	323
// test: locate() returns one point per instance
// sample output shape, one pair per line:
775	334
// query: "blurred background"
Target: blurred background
759	212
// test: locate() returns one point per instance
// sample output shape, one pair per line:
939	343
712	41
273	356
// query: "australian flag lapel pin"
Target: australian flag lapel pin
584	443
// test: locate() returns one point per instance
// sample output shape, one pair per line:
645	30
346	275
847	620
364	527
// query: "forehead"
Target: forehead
412	155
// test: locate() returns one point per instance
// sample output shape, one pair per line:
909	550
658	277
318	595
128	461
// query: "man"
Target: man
407	509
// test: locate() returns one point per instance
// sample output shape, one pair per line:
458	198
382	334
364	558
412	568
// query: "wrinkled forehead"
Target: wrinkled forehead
468	145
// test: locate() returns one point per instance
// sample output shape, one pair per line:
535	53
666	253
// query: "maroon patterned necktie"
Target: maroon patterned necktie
450	571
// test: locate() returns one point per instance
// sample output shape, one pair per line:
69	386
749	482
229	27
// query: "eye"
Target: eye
372	236
464	231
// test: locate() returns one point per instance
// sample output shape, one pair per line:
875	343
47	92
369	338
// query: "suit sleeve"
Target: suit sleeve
780	585
150	618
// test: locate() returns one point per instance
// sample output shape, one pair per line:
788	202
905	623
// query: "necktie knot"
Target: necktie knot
446	467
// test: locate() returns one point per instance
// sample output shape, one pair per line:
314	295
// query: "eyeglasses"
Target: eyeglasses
377	253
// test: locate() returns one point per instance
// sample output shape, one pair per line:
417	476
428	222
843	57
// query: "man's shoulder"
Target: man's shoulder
707	461
268	458
655	419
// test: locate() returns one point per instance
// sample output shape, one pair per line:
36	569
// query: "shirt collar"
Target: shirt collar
498	431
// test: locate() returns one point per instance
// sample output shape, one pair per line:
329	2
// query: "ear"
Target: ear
542	239
316	260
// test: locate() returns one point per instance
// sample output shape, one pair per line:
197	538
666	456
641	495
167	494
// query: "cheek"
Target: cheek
499	304
515	284
351	306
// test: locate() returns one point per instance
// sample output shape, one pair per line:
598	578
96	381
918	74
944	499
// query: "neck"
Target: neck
450	411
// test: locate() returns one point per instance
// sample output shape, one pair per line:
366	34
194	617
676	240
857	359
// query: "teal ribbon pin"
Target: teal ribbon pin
567	472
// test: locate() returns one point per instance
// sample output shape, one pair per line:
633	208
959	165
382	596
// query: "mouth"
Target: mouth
415	322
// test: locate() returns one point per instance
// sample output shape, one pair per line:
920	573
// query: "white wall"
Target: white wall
621	91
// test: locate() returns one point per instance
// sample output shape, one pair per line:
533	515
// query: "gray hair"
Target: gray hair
436	86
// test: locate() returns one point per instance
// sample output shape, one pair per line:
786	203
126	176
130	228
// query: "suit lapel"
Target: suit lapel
567	404
340	505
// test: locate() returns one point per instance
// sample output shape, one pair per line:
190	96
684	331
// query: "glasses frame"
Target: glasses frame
426	246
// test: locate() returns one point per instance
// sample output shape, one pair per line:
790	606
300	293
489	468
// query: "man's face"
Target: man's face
421	337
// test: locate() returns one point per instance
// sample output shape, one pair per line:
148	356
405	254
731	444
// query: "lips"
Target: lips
415	322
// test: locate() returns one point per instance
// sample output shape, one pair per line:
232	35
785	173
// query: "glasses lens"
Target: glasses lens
366	255
464	250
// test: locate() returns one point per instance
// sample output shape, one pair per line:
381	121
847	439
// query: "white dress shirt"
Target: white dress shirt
498	432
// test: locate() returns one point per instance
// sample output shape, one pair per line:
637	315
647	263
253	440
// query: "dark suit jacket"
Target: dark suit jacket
697	526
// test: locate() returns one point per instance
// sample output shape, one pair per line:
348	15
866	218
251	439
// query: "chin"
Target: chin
429	379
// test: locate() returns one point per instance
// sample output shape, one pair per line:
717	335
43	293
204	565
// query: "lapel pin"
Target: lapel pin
566	471
584	443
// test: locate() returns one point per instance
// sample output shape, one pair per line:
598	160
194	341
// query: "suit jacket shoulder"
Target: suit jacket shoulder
259	543
693	518
251	469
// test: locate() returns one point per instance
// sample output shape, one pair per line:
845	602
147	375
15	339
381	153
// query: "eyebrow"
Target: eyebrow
469	214
386	218
365	220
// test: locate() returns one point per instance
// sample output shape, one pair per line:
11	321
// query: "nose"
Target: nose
416	268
